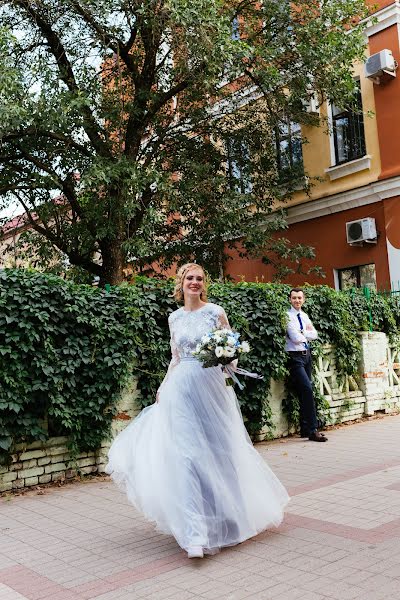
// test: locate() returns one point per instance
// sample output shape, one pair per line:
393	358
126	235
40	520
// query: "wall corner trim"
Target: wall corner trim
362	196
348	168
384	18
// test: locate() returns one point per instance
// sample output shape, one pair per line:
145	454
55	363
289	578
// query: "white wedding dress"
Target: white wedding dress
186	462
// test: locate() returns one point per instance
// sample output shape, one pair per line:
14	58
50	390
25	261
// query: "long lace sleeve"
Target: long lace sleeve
223	322
174	360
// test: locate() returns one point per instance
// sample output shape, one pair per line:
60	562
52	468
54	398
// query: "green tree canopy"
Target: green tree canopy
116	127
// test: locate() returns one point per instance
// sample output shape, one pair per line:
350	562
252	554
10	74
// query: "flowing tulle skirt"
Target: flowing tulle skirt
188	464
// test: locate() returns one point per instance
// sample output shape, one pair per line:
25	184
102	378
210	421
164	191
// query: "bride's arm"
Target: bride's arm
223	323
174	361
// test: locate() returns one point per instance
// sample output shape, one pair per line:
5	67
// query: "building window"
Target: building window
348	132
238	166
358	276
289	151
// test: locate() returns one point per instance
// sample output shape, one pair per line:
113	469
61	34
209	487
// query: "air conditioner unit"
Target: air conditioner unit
380	64
362	230
311	104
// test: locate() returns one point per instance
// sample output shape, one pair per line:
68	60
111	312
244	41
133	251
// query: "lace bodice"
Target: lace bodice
188	327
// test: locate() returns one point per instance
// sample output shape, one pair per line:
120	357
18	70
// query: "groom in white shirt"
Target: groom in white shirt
300	331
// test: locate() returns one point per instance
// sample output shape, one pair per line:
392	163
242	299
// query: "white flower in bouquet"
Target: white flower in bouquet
229	352
220	347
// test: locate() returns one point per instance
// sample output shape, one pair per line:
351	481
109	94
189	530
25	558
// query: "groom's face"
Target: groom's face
297	300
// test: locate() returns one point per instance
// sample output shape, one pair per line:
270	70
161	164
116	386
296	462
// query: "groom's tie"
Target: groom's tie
300	321
302	329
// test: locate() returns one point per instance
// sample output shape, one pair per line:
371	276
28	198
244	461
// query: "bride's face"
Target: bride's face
193	284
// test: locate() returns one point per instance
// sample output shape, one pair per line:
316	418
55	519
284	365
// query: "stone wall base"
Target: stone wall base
350	407
44	462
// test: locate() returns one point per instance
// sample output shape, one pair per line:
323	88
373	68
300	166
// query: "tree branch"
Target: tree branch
40	165
74	257
89	20
66	72
116	45
132	38
32	132
69	192
164	98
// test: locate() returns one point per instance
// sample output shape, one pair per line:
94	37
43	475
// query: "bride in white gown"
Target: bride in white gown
186	462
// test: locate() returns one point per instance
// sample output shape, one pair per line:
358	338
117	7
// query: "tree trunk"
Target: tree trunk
221	267
113	264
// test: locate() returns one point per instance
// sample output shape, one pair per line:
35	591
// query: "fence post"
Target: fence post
367	294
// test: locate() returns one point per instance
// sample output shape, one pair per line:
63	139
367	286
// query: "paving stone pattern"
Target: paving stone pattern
340	538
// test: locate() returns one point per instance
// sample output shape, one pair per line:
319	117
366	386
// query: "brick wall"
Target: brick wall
375	388
44	462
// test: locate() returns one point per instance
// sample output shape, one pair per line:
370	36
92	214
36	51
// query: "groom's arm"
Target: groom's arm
294	333
310	332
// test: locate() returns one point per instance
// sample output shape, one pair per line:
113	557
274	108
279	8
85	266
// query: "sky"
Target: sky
11	211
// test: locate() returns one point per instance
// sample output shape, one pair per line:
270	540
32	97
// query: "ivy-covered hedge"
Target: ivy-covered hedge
65	349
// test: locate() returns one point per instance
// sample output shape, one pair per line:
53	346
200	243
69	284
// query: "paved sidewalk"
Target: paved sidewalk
340	538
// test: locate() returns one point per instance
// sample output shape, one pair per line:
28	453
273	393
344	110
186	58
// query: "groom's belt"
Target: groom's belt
298	352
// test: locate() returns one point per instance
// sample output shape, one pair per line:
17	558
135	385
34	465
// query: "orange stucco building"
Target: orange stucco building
356	167
355	173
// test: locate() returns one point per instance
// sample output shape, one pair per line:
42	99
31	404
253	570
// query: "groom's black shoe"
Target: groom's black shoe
316	436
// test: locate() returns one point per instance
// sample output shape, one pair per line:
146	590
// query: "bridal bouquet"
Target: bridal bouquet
220	347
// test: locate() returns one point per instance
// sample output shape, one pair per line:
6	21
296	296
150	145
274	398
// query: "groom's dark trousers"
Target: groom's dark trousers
300	375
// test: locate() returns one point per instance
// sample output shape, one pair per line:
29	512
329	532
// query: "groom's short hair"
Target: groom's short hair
296	289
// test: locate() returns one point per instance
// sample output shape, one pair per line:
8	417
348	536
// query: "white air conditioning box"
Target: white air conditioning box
379	64
362	230
312	106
